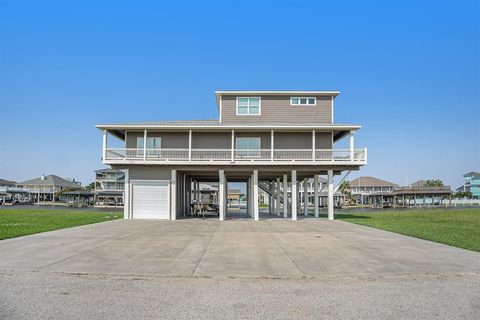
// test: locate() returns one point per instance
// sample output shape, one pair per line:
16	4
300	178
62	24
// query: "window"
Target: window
153	146
248	147
303	101
248	106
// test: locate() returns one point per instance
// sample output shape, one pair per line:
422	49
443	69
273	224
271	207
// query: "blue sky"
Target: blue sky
408	71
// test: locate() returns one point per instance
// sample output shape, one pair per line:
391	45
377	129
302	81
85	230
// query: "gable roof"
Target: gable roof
370	182
50	180
4	182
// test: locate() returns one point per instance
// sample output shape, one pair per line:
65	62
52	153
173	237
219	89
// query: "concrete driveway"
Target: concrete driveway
245	249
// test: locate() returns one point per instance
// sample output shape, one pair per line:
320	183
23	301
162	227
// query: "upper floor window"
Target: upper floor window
248	106
303	101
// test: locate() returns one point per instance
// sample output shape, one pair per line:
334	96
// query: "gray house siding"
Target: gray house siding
277	109
222	140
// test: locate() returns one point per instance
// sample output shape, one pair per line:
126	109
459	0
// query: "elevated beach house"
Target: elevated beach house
265	139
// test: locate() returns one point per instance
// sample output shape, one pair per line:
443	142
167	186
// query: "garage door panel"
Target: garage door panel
150	199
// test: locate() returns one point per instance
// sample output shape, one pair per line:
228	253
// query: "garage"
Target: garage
151	199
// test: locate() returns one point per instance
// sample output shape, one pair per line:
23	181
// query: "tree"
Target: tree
435	183
90	187
463	195
345	187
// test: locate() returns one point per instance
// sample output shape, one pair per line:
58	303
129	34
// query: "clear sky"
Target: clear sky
408	71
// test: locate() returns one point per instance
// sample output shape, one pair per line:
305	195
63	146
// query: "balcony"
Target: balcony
236	156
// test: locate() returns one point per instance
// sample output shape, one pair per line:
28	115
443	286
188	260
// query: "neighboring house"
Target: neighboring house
367	189
419	194
260	137
7	183
233	196
46	188
471	183
109	187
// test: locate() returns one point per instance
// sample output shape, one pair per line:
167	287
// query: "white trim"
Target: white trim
255	195
301	104
249	114
173	195
332	108
126	195
220	108
278	92
189	144
226	127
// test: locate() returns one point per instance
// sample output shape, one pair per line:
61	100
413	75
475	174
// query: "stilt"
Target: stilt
294	195
277	201
330	195
255	195
285	196
305	196
221	195
315	195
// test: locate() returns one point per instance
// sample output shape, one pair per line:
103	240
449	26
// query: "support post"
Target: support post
233	146
313	145
330	195
271	201
144	144
294	194
190	145
255	195
173	194
271	145
285	196
221	195
277	201
305	196
315	195
105	137
352	146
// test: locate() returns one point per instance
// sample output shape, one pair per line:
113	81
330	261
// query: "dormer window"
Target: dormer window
248	105
303	101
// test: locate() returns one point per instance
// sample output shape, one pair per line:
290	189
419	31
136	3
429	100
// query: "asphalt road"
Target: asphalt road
36	295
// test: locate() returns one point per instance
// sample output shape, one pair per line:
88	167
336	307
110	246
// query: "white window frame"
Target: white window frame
249	153
250	114
303	105
150	151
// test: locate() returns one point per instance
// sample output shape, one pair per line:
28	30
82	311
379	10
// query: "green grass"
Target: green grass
459	228
20	222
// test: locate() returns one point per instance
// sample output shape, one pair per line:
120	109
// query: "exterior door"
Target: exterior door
151	199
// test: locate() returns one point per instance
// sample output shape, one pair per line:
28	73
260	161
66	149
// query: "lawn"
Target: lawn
20	222
459	228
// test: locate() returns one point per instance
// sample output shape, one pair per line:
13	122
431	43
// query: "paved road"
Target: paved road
236	269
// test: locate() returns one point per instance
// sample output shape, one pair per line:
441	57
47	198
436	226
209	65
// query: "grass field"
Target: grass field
459	228
20	222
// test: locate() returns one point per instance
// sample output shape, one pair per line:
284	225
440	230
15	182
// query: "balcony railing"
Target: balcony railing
237	155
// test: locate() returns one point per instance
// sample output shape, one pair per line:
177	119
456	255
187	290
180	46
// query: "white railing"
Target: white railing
237	155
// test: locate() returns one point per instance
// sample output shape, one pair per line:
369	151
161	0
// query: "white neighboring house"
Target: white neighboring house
363	188
47	187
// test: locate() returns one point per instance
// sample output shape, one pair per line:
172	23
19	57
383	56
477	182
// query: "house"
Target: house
368	190
420	194
264	139
471	183
46	188
7	183
109	187
233	196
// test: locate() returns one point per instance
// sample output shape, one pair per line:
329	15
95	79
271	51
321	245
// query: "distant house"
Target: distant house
471	183
233	196
7	183
46	188
419	193
109	187
367	189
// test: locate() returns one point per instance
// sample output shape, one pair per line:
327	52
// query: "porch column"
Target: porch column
305	196
313	145
173	194
271	145
315	195
352	147
190	145
277	201
233	146
285	196
144	144
105	137
294	194
221	194
255	195
330	194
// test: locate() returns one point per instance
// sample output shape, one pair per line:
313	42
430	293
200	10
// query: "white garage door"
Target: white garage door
151	199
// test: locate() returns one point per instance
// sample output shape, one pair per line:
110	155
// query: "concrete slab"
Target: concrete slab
209	248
